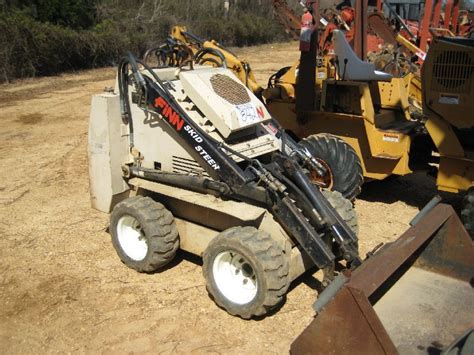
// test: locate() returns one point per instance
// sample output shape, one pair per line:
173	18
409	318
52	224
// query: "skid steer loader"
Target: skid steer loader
189	158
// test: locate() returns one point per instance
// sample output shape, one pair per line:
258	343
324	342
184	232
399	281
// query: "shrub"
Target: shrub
31	48
36	43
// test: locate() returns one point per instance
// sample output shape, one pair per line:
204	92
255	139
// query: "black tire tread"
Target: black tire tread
341	158
467	212
344	207
159	227
271	257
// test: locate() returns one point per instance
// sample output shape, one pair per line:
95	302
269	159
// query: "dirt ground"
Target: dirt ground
62	287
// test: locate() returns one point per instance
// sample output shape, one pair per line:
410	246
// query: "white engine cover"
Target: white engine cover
222	98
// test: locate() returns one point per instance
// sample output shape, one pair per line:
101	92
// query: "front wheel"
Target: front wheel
246	271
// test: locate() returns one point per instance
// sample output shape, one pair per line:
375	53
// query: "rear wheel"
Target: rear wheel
144	234
340	159
467	212
246	271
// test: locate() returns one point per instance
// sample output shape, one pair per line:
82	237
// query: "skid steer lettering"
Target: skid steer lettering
172	116
193	134
207	158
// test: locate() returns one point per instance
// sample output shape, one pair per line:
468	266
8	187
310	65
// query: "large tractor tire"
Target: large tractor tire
345	169
467	212
344	207
144	234
246	271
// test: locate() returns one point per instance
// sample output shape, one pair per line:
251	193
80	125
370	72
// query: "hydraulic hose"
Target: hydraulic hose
123	83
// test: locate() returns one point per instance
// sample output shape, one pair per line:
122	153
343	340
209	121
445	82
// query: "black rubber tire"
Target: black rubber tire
468	346
269	262
345	165
467	212
344	207
159	231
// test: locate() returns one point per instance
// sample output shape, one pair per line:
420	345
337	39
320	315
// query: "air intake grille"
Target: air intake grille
229	89
452	72
187	166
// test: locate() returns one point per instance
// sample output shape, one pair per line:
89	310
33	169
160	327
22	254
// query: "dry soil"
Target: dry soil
62	287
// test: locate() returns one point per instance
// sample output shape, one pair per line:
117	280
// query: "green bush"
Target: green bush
61	35
76	14
30	48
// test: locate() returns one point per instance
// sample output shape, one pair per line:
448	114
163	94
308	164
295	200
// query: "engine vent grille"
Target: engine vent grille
187	166
452	71
229	89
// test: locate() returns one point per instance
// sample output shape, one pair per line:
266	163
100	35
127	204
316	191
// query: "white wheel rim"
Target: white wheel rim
235	277
131	238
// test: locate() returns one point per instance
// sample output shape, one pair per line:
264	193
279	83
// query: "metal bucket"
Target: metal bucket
414	296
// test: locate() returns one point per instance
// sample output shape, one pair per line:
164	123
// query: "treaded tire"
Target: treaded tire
269	264
341	158
467	212
344	207
158	231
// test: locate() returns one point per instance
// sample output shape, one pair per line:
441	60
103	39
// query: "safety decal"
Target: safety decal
393	138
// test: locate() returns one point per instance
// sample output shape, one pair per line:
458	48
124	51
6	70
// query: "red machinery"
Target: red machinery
435	22
356	24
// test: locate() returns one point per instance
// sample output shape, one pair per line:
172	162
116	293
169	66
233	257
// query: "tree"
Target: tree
76	14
